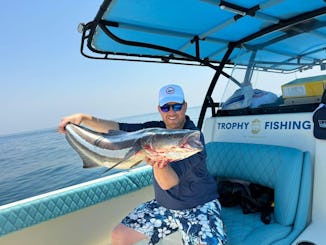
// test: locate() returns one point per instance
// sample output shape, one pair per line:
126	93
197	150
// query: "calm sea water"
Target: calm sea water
37	162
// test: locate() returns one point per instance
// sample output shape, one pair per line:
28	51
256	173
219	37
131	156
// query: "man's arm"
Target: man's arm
97	124
164	174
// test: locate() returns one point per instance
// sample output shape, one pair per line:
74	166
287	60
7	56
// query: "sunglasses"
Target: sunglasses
175	107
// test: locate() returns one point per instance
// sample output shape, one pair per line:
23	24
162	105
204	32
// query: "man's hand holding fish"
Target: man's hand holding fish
157	162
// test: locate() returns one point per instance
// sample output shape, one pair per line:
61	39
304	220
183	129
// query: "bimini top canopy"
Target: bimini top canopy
278	35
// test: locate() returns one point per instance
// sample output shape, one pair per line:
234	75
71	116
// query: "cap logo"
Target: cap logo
322	123
170	90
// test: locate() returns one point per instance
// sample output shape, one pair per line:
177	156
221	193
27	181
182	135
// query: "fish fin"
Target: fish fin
88	164
130	154
127	156
105	171
113	166
135	164
133	151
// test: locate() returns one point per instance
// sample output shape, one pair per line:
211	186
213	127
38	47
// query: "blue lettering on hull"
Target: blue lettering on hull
281	125
234	125
268	125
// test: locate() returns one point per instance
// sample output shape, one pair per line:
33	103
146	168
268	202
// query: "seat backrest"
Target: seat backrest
277	167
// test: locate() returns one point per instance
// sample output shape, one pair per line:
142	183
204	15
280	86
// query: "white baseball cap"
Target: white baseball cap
171	93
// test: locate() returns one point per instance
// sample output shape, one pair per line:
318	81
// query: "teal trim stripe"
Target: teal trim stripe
32	212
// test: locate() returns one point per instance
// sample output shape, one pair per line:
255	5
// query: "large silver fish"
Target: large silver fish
124	150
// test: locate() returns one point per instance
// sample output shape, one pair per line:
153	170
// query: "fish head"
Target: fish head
174	145
192	141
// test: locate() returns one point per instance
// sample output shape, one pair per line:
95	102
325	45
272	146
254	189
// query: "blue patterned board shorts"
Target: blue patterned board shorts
199	225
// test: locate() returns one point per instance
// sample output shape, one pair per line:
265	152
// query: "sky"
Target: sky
44	77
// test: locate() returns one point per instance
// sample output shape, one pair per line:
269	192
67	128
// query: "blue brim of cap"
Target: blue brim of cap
171	100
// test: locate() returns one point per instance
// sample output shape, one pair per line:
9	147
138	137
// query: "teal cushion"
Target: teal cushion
276	167
247	229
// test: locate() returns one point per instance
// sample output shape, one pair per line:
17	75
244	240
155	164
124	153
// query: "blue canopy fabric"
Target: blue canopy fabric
280	35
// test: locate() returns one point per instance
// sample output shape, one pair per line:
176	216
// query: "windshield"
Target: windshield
249	87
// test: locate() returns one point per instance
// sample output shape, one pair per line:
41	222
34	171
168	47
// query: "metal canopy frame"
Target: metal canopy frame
293	26
111	34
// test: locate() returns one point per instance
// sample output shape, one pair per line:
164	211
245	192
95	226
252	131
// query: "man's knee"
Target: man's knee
116	233
122	234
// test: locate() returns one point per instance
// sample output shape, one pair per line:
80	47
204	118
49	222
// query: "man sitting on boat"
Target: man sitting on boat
185	193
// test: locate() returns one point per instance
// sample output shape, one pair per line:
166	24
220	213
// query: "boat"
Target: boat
251	46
